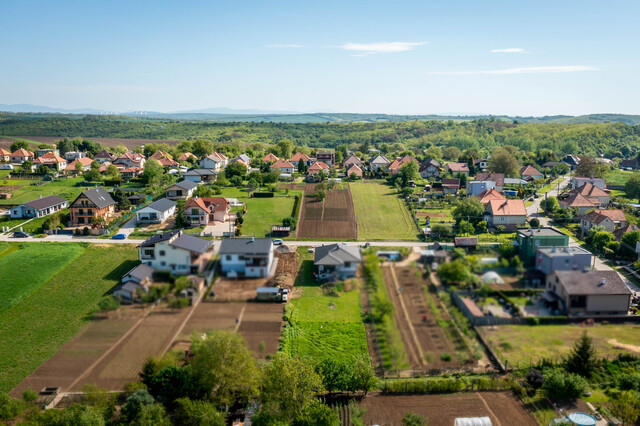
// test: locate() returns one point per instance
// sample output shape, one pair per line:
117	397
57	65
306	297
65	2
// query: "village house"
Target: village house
497	178
74	155
300	156
175	251
571	160
135	282
318	167
577	182
5	155
283	167
352	160
181	190
270	158
164	159
327	157
529	240
450	186
336	262
104	166
588	293
156	212
379	163
21	155
530	173
552	259
490	194
85	164
187	156
52	161
39	207
244	158
508	213
629	164
619	233
610	220
429	169
589	191
246	257
397	164
130	159
354	169
130	172
214	161
580	202
104	156
200	175
455	168
481	164
91	204
200	211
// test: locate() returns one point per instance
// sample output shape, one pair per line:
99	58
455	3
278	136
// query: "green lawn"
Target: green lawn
34	329
262	213
552	186
323	326
28	266
618	177
521	343
65	188
33	226
380	213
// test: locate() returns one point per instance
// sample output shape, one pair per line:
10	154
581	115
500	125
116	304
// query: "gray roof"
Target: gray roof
140	272
99	196
589	283
255	246
562	251
158	238
186	184
540	232
244	157
514	181
191	243
336	254
199	172
162	205
45	202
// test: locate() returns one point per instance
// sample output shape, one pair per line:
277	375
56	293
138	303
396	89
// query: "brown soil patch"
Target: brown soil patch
425	214
5	188
108	142
332	219
503	408
618	345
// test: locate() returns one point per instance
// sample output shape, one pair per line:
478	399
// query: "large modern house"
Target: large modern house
175	251
336	262
246	257
39	207
552	259
529	240
156	212
200	211
92	203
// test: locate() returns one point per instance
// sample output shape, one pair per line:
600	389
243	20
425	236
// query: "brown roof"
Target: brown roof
281	164
354	169
209	204
270	158
133	169
186	156
498	178
465	241
458	167
490	194
50	157
399	162
451	183
4	152
529	170
318	166
216	156
619	233
299	156
352	160
597	216
159	154
577	200
22	153
133	156
85	161
589	190
197	202
507	207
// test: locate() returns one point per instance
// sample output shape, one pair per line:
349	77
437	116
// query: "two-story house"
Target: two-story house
299	156
430	168
85	164
610	220
455	168
496	178
92	203
327	157
104	156
380	162
590	191
52	161
181	190
282	167
246	257
200	211
175	251
270	158
130	159
214	161
336	262
551	259
21	155
508	213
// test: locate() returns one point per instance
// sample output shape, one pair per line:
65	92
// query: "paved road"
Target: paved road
534	210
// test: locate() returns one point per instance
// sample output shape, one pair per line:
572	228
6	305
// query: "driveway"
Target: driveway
128	227
535	209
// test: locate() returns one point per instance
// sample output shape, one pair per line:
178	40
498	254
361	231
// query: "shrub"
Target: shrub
446	357
558	384
535	222
133	405
10	407
629	382
413	419
535	379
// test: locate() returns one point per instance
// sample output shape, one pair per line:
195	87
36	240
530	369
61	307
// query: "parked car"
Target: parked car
119	237
310	249
20	234
278	242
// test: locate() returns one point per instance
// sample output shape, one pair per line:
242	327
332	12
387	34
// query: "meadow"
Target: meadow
618	177
36	327
31	189
381	213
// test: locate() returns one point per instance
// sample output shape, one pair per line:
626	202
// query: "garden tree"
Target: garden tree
364	377
465	227
19	145
535	379
94	172
252	185
134	403
434	152
545	155
64	146
42	170
224	367
550	204
558	384
451	153
201	148
121	199
632	186
413	419
256	176
271	177
321	195
197	413
108	303
285	149
78	167
203	191
441	229
561	169
407	173
454	272
235	169
316	414
151	415
221	179
628	243
181	218
289	221
502	161
76	415
10	407
112	173
601	239
51	222
463	179
99	398
153	171
534	222
336	374
342	152
235	181
26	167
590	167
172	383
333	172
626	407
582	359
302	167
289	385
469	208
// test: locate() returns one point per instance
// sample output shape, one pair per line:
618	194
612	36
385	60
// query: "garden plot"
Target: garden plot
333	218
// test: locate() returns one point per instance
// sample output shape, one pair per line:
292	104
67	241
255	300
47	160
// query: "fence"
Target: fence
118	223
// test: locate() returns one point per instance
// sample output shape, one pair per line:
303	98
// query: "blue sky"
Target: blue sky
420	57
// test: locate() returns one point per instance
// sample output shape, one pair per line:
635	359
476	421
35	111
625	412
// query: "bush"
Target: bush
629	382
133	405
558	384
534	223
108	303
535	379
10	407
179	302
413	419
85	231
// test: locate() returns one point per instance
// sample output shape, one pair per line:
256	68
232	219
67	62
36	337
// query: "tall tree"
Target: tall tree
407	173
582	359
153	171
632	186
503	161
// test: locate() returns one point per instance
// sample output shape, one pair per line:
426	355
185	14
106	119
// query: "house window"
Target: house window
161	252
194	212
347	264
163	263
81	220
501	218
229	257
89	212
81	212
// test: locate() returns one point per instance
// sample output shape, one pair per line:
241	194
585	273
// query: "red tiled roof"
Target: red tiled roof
22	153
529	171
282	164
4	152
85	161
458	167
49	158
589	190
577	200
498	178
507	207
298	156
186	156
490	194
270	158
354	169
197	202
318	166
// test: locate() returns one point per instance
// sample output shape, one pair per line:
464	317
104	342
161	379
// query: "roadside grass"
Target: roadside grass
320	326
262	213
618	177
33	226
551	186
38	262
33	330
523	344
381	213
33	189
501	237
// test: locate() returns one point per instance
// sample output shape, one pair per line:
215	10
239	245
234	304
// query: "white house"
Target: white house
282	167
336	262
476	187
214	161
176	252
137	280
181	190
577	182
200	175
508	213
156	212
246	257
39	207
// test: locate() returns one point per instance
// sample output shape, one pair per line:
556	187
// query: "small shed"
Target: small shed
390	255
467	243
280	231
268	294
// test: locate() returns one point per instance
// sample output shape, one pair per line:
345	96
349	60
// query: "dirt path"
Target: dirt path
618	345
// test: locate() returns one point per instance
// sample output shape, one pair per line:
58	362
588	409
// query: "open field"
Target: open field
25	190
618	177
262	213
380	213
322	325
108	142
441	410
334	218
524	344
33	226
25	267
33	330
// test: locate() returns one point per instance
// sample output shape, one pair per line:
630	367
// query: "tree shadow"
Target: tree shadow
117	273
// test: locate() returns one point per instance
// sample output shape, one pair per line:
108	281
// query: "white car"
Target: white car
278	242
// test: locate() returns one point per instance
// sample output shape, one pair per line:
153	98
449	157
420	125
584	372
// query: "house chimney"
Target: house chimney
553	249
604	280
253	239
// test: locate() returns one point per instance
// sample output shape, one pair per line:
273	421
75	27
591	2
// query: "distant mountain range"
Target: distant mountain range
256	115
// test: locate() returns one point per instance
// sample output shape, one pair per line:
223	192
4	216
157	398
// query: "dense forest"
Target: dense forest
611	140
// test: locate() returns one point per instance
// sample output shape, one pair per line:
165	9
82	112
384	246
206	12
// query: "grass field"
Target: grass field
64	188
263	212
34	329
25	267
519	343
323	326
552	186
618	177
381	214
32	226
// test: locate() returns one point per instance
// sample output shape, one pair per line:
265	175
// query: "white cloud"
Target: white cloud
381	47
524	70
294	46
510	50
